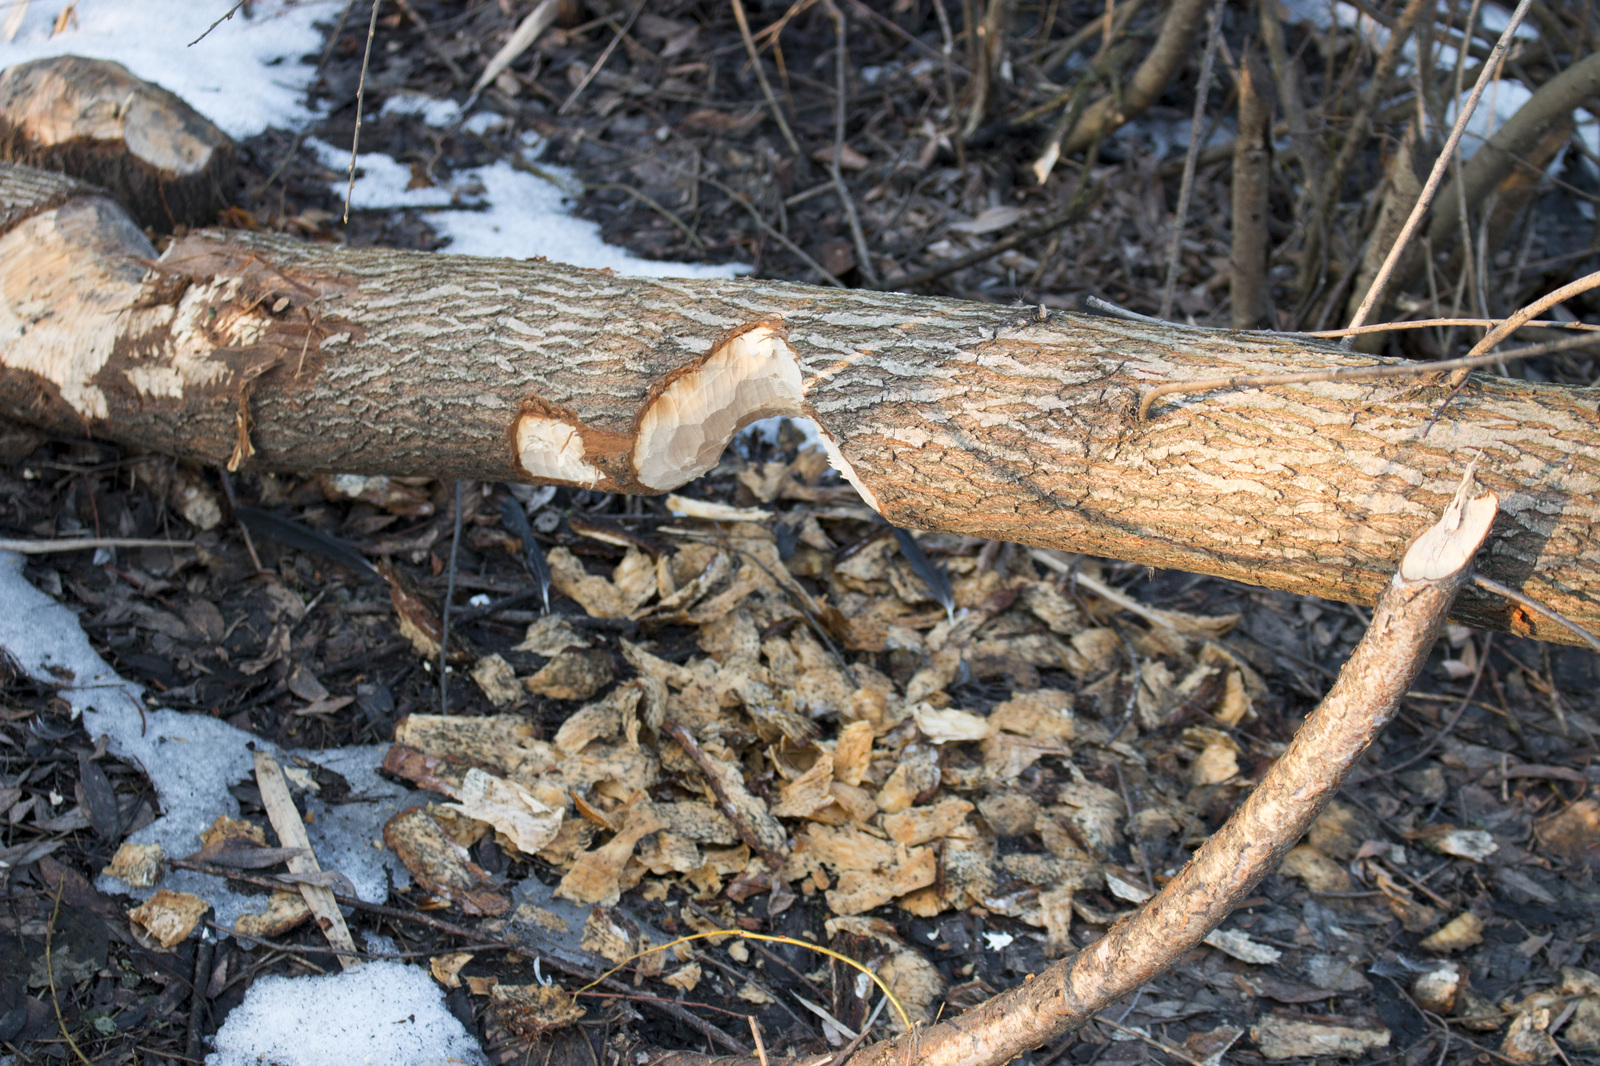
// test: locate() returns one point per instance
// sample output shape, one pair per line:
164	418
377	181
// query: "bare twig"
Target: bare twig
947	53
771	231
755	1030
78	544
1361	373
761	76
527	31
1431	323
444	615
432	41
1186	189
1531	311
1252	175
1445	730
1176	1052
1376	90
50	975
1436	175
231	12
841	86
601	62
1109	113
988	251
1536	607
361	96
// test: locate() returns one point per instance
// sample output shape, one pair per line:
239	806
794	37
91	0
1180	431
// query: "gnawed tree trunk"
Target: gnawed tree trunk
93	119
1003	422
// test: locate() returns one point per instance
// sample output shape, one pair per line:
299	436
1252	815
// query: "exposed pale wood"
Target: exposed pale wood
93	119
292	834
1000	422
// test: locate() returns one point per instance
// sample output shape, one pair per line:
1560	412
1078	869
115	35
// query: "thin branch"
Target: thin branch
78	544
761	76
1360	373
1436	175
1185	190
1432	323
771	231
231	12
841	85
988	251
361	96
604	56
1536	607
444	615
1543	303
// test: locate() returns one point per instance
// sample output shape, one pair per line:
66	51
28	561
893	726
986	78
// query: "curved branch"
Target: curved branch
1225	869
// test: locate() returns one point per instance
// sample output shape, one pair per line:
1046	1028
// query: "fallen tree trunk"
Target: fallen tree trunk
1004	422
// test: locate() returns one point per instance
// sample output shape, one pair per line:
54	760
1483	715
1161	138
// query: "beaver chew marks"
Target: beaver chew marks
552	450
684	430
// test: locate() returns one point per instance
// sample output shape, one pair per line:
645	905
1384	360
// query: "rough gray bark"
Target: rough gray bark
1000	422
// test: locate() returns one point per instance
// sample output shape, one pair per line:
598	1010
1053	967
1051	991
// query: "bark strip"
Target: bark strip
1001	422
1224	870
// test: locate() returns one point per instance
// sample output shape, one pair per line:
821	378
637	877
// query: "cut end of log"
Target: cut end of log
684	430
553	450
1448	546
94	120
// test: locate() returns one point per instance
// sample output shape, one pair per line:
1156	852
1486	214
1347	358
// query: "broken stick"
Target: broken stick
292	834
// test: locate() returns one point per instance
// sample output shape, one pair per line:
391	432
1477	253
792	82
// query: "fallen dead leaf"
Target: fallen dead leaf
497	680
285	910
528	824
140	865
1463	931
441	866
446	969
1573	834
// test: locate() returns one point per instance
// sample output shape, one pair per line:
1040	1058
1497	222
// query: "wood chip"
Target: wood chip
169	917
292	834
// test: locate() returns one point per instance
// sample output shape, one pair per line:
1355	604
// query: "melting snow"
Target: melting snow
377	1012
192	759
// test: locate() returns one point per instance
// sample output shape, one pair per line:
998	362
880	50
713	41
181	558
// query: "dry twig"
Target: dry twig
1436	175
1186	189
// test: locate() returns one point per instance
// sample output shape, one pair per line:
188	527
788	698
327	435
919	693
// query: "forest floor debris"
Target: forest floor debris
752	706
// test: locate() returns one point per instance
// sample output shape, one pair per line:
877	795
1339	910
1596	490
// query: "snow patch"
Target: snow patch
376	1012
191	759
1500	100
433	111
246	75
